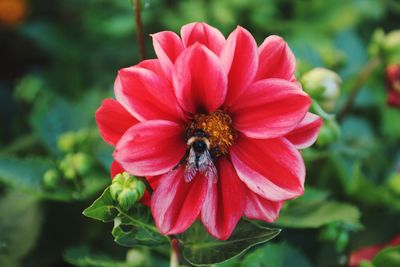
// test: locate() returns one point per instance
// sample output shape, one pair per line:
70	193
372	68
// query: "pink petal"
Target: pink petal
199	80
276	60
176	204
258	208
239	58
146	95
272	168
153	65
270	108
306	132
168	47
113	120
151	148
203	33
115	169
224	202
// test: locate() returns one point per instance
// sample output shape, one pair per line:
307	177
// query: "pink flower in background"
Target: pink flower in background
393	84
368	253
215	125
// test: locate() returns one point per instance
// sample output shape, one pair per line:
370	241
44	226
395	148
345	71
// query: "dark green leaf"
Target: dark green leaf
199	248
136	228
102	208
276	255
388	257
20	220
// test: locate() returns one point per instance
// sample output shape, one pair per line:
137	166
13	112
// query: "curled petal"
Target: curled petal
306	132
270	108
146	95
175	204
113	120
259	208
224	202
276	60
203	33
151	148
199	80
239	58
271	168
168	47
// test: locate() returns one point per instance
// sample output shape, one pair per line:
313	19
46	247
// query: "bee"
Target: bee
199	158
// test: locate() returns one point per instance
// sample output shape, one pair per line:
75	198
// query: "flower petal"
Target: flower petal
113	120
151	148
167	46
153	65
146	95
270	108
276	60
199	80
239	58
306	132
272	168
203	33
224	202
175	204
258	208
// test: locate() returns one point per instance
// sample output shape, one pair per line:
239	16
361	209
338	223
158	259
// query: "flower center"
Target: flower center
218	128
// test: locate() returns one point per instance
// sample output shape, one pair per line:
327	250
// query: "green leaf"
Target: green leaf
388	257
135	227
102	208
83	257
276	255
20	220
199	248
315	211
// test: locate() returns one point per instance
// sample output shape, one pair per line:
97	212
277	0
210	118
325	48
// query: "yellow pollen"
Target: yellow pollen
218	126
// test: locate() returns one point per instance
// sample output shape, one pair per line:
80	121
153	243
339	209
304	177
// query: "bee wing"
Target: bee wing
207	167
190	169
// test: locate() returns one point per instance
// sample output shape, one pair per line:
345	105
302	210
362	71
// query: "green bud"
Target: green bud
329	133
126	190
127	198
115	189
82	163
66	142
51	178
67	167
392	47
136	257
323	85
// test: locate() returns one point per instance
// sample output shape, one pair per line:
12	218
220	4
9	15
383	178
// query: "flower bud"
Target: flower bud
75	164
323	85
66	142
393	84
51	178
126	190
394	183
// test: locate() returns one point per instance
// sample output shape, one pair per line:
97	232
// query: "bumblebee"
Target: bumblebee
198	157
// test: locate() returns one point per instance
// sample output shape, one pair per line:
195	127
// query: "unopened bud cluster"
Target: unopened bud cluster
126	190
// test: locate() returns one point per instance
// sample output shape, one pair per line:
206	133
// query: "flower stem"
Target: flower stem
139	29
174	260
359	81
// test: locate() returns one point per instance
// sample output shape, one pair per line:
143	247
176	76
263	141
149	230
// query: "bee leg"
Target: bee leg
215	153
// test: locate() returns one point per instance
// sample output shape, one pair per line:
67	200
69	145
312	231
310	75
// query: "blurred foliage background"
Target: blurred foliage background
59	60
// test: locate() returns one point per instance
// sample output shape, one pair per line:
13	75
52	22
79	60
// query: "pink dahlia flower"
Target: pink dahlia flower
215	125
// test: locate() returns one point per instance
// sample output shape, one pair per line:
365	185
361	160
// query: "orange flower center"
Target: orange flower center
218	128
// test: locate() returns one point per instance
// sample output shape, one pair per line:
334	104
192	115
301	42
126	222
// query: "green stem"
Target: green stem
139	29
359	81
174	260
